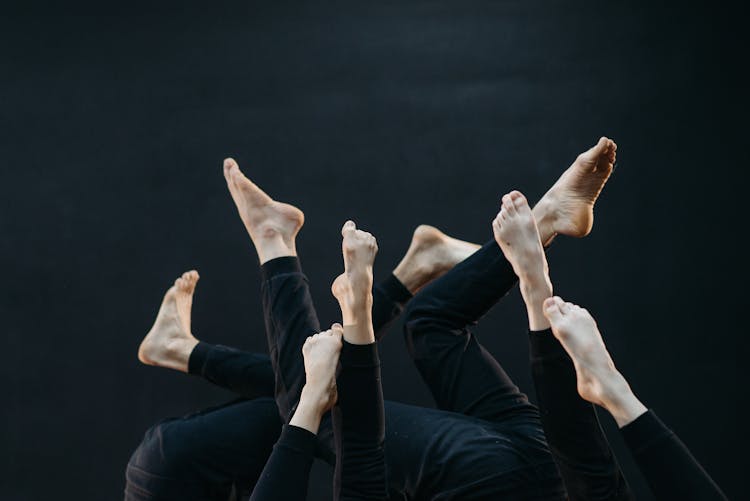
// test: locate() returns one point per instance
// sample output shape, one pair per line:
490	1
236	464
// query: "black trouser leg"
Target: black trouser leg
359	426
666	463
251	375
290	318
575	437
462	376
287	472
204	455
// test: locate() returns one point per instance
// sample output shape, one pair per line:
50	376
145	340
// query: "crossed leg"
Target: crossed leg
575	437
461	375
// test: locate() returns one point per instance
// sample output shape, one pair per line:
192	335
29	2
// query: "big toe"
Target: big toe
229	165
508	206
519	200
552	310
348	227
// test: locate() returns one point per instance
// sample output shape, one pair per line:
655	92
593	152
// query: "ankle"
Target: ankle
273	247
544	215
358	310
619	400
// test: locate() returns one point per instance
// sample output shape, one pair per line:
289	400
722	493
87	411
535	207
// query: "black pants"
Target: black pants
486	443
358	432
409	461
581	449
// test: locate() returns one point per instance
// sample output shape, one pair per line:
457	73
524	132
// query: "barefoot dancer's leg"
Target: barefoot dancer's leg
576	440
668	466
287	472
461	375
359	417
290	315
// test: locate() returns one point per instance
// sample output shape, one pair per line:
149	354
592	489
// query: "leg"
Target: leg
290	316
359	417
669	468
461	375
287	471
204	455
575	437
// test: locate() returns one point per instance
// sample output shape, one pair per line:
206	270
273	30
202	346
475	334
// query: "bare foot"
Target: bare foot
516	232
430	255
353	288
170	342
568	207
321	353
272	225
598	380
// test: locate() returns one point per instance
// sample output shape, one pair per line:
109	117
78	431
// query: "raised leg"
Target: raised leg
359	417
287	471
461	375
668	466
573	433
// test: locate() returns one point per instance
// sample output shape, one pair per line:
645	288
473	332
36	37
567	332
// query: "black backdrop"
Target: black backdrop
114	125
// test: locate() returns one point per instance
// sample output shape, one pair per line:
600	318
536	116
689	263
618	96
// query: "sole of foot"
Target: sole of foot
170	341
264	218
568	207
431	254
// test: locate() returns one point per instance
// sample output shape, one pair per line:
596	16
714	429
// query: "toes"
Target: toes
508	205
552	310
229	164
519	201
349	226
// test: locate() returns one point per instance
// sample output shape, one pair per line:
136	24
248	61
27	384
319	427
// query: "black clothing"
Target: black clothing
667	465
572	428
359	426
509	455
358	433
206	455
287	471
471	450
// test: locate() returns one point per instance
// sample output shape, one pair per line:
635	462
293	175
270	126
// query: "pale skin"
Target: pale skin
598	381
353	289
321	353
566	208
272	227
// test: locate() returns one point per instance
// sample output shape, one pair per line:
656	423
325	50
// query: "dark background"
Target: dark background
114	125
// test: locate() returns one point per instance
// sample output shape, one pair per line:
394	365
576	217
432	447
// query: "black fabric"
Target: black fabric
481	451
464	378
287	471
668	466
248	374
359	426
203	456
576	439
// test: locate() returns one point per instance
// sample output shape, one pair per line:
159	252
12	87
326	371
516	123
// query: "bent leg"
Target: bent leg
461	375
571	426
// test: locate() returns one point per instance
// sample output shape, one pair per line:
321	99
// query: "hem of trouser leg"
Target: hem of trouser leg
544	343
644	430
280	266
299	439
359	355
198	357
394	289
